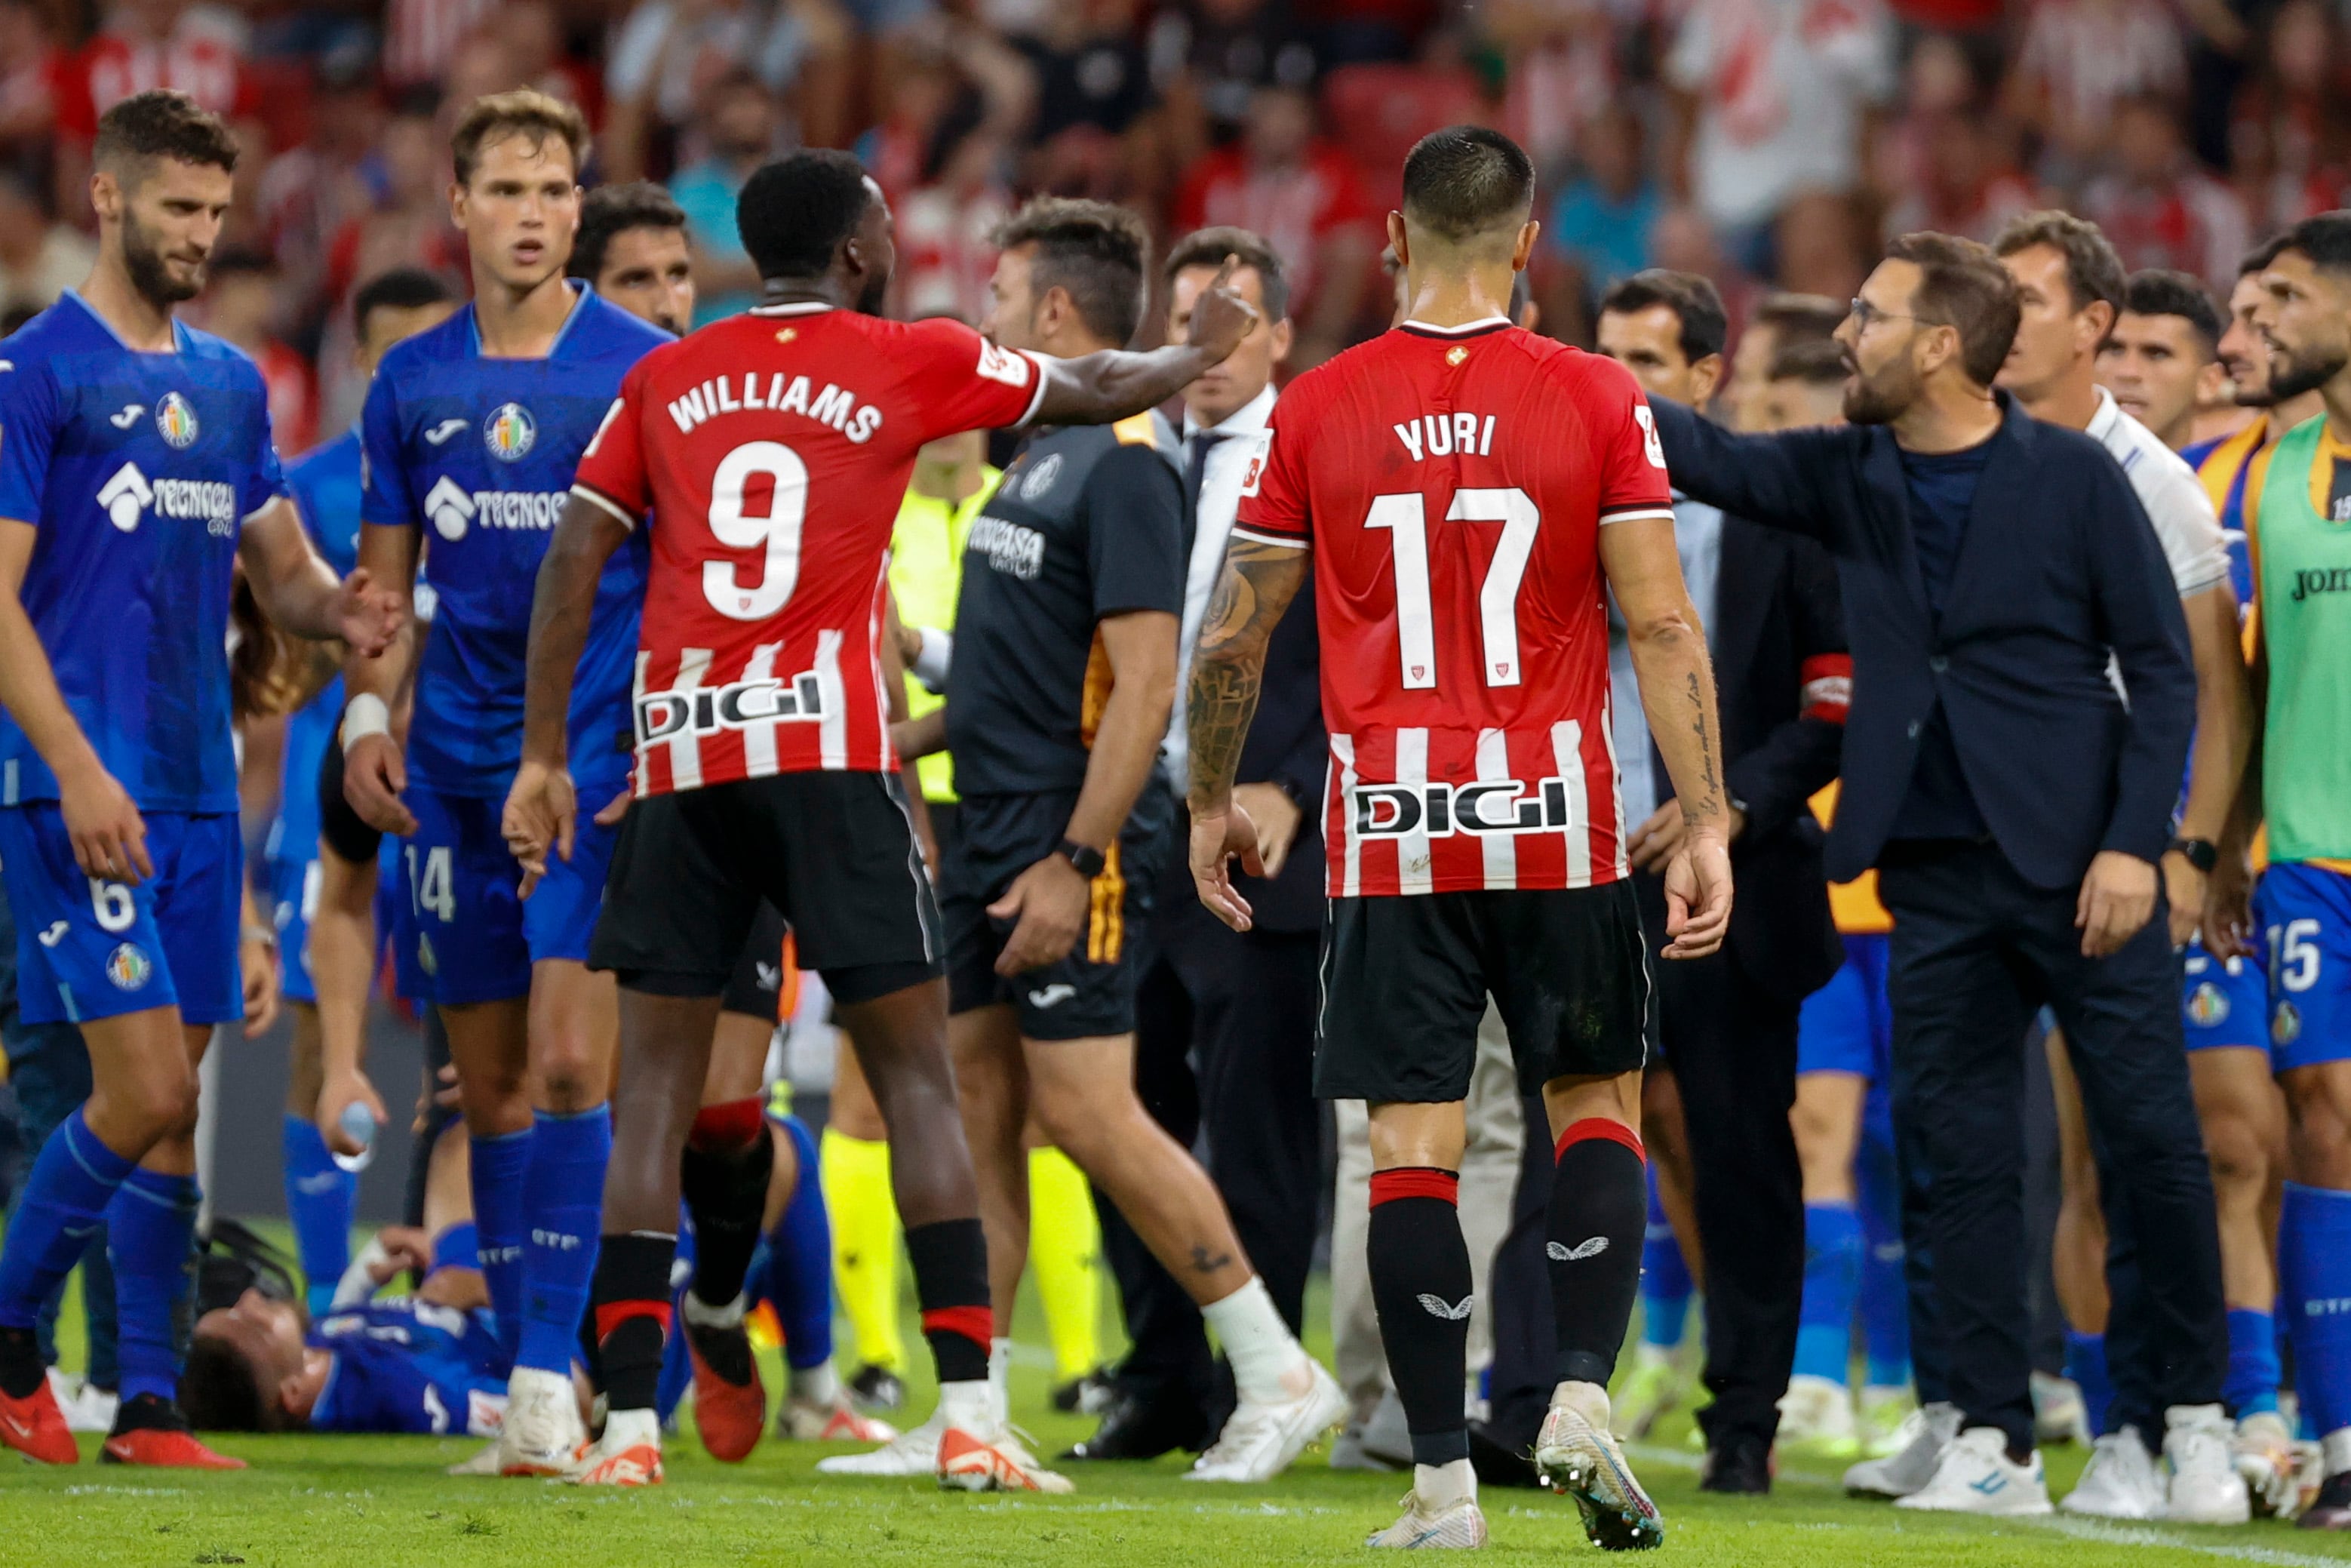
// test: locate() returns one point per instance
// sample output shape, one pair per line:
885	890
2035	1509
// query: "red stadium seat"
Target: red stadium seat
1377	111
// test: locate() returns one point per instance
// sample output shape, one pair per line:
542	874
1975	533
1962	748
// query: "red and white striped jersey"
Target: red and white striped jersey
1452	484
772	450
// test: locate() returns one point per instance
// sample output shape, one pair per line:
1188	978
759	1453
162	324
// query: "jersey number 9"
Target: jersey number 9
777	533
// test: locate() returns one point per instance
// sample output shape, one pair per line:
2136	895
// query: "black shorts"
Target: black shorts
757	987
833	852
1405	982
340	829
1090	992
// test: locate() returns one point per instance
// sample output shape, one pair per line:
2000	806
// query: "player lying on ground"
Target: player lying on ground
771	450
1464	491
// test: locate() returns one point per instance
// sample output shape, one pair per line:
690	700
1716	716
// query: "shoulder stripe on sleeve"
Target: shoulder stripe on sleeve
1138	430
1627	514
598	498
1037	399
1281	541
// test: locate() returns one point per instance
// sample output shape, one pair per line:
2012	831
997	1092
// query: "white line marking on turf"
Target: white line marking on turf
2140	1535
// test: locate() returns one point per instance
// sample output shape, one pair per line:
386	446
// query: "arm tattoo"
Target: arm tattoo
1258	583
1701	722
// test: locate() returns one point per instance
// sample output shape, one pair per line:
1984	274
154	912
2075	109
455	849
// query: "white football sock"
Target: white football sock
1588	1400
817	1384
627	1428
2335	1450
1439	1487
1269	1363
969	1406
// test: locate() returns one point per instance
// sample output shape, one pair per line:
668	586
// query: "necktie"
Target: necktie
1196	473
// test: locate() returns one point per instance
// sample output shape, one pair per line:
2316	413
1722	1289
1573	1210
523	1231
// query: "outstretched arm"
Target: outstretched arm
299	590
1259	580
1095	389
1770	479
373	772
1677	681
541	810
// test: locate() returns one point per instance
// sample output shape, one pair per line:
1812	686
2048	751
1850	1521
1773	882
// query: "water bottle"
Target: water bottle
359	1124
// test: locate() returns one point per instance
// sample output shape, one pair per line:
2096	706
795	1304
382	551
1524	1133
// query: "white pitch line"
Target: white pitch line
2105	1533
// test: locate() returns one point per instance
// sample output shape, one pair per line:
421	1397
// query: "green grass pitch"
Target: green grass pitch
360	1502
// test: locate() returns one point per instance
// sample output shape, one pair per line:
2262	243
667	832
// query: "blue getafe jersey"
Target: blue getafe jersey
326	486
404	1366
479	453
2231	509
138	471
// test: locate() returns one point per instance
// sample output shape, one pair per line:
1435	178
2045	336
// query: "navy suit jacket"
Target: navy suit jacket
2059	566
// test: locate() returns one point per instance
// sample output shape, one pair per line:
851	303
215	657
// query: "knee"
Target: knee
161	1105
2240	1164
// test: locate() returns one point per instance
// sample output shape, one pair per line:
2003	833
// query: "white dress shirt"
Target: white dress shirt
1220	497
1697	540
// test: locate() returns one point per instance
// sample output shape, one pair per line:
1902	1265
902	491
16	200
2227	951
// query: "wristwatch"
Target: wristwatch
1089	862
2201	853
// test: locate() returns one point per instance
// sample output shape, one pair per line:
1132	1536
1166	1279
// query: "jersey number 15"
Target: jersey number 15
1405	517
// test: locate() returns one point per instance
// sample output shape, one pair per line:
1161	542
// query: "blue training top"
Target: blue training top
403	1365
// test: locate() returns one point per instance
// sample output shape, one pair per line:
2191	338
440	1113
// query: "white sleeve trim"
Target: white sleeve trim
1037	399
1629	513
585	494
1281	541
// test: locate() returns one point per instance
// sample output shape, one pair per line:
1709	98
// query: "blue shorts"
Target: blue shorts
1847	1026
467	934
2222	1005
91	949
293	900
2306	911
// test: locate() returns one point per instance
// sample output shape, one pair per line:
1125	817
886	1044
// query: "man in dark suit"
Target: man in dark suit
2015	804
1225	1020
1769	602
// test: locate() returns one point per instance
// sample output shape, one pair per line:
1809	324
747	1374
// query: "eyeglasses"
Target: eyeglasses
1866	314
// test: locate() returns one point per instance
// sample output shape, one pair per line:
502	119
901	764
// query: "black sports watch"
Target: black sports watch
2201	853
1089	862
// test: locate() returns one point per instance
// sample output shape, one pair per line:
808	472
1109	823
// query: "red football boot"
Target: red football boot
36	1427
151	1432
730	1402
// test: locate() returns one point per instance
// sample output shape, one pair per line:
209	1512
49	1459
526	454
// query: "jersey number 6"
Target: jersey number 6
778	532
1405	517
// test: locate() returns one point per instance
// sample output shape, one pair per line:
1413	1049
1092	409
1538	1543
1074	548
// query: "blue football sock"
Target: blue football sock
2314	1249
1831	1272
2251	1387
150	1229
458	1246
2085	1364
499	1167
1665	1278
63	1201
799	1273
319	1198
563	1194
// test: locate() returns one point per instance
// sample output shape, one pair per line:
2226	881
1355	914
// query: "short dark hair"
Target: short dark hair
2159	292
794	214
2325	239
220	1392
402	289
611	211
2092	270
1696	307
2258	260
1963	286
1209	246
1798	317
1097	252
1466	180
162	123
524	111
1815	362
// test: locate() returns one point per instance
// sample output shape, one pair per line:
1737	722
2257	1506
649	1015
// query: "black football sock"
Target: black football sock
1420	1287
1599	1214
950	1264
631	1295
723	1178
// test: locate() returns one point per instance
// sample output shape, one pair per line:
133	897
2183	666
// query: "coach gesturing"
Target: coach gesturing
2015	804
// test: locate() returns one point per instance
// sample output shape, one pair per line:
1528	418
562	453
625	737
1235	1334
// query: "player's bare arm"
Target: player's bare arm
541	810
110	838
1051	899
1229	670
2228	928
1677	682
373	772
301	592
2223	737
1095	389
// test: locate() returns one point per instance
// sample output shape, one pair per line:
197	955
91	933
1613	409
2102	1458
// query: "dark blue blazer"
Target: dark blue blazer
2060	566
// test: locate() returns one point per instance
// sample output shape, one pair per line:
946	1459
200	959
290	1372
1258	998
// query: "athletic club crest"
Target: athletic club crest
509	432
2207	1007
128	968
175	420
